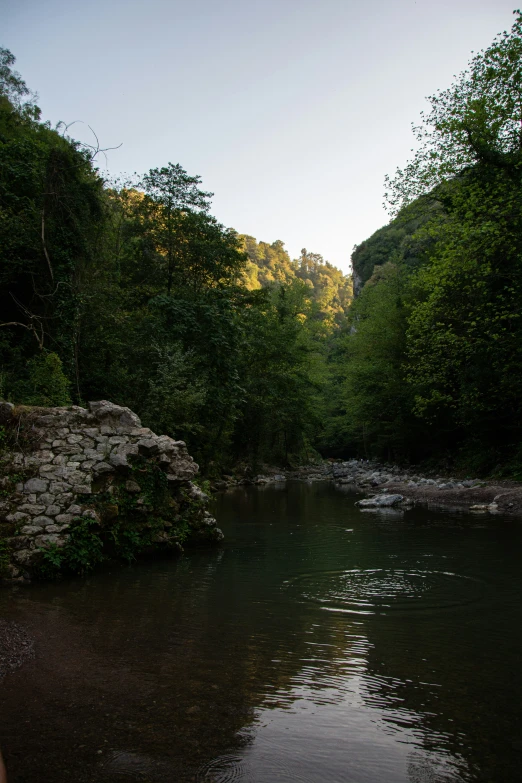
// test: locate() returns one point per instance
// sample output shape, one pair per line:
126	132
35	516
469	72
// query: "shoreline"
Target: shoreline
373	479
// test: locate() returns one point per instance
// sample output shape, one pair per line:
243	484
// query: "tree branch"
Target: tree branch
44	247
31	328
35	325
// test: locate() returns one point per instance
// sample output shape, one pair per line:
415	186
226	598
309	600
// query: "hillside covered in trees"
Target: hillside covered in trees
431	366
329	291
137	294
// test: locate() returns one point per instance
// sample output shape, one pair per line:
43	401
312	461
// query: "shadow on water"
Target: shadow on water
318	644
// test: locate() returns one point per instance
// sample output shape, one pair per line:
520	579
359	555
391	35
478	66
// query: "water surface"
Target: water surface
319	644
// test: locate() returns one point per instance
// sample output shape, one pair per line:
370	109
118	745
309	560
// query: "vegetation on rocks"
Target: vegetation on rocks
80	487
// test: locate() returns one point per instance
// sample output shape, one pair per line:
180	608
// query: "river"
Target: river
318	644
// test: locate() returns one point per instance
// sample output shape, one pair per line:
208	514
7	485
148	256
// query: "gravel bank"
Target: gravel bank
16	646
372	479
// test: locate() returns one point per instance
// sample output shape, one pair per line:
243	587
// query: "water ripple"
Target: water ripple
225	769
381	590
231	768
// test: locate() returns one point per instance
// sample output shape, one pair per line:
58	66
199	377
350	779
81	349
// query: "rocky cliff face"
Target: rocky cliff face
79	486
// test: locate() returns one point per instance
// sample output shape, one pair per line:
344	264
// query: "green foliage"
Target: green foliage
51	212
433	368
278	415
404	241
247	354
147	300
176	393
84	549
476	121
13	89
127	529
51	564
152	480
370	405
46	383
174	189
329	292
464	331
204	485
81	553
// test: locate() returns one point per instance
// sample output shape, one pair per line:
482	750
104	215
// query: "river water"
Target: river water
319	644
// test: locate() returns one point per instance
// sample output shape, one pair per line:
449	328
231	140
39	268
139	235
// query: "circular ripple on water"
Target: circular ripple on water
135	765
381	590
232	768
225	769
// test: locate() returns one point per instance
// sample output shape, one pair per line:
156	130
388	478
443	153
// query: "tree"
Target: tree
369	403
464	365
278	415
465	331
478	120
13	89
46	383
51	216
172	193
136	294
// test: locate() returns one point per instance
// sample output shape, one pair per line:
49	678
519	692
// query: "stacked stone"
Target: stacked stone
76	450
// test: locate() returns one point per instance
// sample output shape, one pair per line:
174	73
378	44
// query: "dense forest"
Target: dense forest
433	369
135	293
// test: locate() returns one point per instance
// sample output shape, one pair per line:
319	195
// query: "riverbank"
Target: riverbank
476	495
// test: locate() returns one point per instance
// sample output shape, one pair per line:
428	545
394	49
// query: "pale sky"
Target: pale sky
291	111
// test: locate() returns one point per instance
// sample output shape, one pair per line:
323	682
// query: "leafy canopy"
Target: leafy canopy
478	120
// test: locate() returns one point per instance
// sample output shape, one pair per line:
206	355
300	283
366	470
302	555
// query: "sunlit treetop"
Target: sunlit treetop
175	189
478	120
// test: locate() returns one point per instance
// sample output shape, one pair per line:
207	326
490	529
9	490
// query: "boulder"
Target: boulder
380	501
108	413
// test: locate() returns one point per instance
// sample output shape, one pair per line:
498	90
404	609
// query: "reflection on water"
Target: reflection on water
319	644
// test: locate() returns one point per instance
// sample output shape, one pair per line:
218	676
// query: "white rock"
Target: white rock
380	501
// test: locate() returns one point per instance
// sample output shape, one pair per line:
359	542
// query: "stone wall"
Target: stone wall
68	474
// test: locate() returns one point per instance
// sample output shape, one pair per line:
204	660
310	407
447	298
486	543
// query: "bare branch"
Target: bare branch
96	137
35	325
44	246
50	296
31	328
94	150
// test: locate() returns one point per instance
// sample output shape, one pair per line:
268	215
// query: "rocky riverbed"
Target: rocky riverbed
406	486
